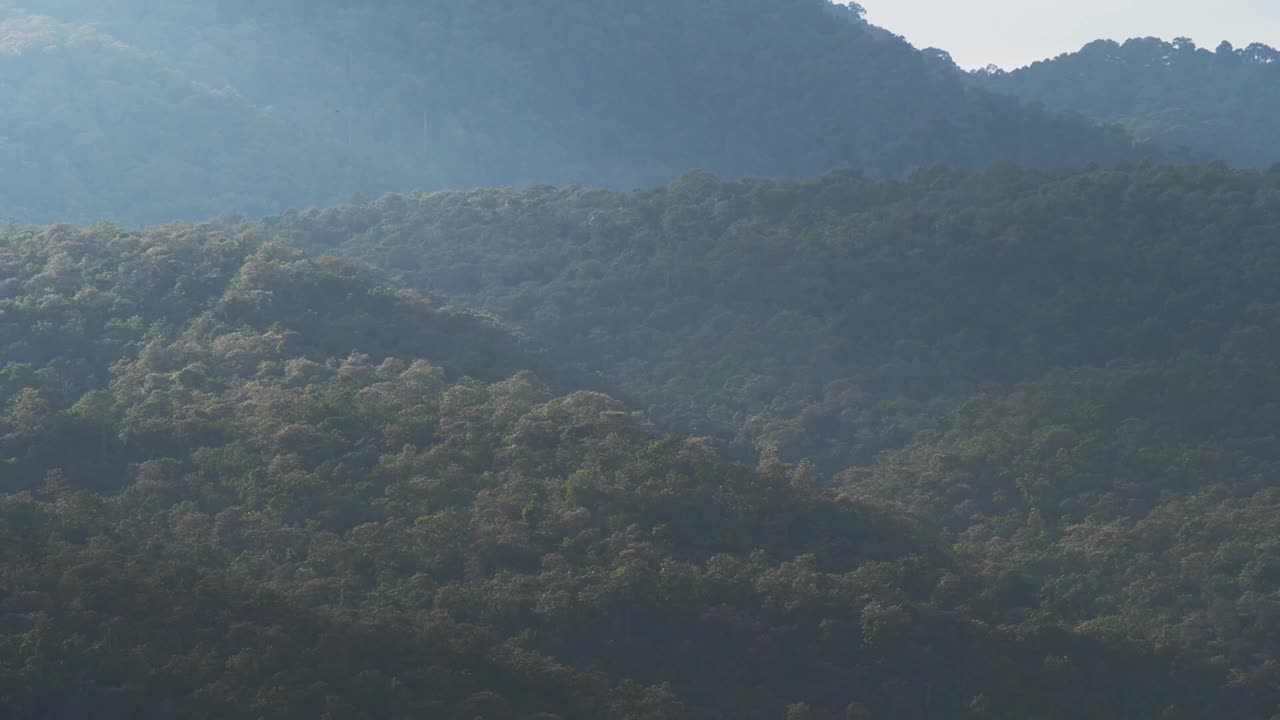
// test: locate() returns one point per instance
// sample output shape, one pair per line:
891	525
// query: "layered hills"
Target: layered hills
244	477
94	129
159	106
834	318
1220	104
969	412
242	483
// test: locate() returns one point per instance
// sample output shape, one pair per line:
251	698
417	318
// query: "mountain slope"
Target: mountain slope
835	318
1108	337
459	94
1138	502
299	492
94	129
1220	104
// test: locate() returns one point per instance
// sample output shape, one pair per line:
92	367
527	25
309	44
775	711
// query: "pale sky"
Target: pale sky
1013	33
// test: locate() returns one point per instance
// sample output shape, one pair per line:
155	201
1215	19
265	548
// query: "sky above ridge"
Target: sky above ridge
1014	33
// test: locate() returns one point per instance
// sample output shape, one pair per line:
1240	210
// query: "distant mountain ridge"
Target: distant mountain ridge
92	128
334	98
1220	104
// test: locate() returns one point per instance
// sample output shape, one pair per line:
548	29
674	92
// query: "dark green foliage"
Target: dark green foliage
1006	440
238	511
1221	104
252	107
1108	337
835	318
1134	501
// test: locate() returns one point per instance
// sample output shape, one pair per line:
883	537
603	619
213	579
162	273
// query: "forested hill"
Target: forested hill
455	93
1220	103
93	129
834	318
1080	364
238	483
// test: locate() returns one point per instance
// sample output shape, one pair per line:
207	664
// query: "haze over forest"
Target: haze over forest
608	360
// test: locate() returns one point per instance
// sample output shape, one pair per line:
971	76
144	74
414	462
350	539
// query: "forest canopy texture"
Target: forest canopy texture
777	370
245	477
144	112
1219	104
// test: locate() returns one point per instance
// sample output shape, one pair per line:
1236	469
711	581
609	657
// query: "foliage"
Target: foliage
1105	337
1134	501
1221	104
92	129
835	318
317	100
231	509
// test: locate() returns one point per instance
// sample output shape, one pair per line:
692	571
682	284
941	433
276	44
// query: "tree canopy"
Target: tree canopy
1221	104
968	412
242	483
92	129
167	111
835	318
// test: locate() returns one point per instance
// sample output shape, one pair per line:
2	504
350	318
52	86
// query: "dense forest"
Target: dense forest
834	318
894	391
1220	104
145	111
92	129
296	491
245	477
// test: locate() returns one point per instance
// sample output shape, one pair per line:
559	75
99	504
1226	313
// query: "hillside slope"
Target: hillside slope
1221	104
298	492
457	94
1106	338
834	318
94	129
